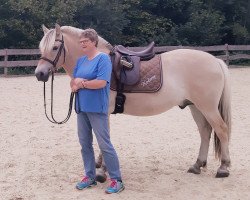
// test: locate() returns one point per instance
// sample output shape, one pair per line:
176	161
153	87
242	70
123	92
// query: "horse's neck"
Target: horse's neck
104	46
73	49
73	52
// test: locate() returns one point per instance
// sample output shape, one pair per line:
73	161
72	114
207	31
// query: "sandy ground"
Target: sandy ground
41	161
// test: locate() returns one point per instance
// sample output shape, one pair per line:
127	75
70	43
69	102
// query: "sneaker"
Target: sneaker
86	183
115	187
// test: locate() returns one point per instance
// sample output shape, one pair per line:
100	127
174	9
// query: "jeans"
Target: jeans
98	122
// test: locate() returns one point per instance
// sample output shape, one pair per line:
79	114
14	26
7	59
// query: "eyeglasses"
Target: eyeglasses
85	41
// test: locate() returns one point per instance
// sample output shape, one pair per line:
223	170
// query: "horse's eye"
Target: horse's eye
55	48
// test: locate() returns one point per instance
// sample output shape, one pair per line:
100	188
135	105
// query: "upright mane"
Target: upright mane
46	43
48	40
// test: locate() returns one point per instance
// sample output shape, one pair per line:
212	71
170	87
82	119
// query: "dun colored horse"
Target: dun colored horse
188	76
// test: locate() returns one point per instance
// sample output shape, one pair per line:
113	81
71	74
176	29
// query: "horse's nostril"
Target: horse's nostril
42	76
39	75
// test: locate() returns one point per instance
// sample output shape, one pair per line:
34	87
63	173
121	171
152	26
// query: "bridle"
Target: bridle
54	69
55	61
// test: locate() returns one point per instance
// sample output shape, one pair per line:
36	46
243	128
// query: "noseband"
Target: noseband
54	63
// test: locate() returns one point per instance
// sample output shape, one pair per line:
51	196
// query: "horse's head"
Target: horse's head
52	52
60	47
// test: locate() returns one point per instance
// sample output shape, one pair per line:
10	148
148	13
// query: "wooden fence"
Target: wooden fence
6	53
225	52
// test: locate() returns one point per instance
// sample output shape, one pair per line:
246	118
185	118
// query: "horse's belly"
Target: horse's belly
147	104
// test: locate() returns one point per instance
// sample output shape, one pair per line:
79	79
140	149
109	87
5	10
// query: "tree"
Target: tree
236	27
21	22
145	25
105	16
129	22
203	28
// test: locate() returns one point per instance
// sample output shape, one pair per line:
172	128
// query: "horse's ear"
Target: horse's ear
45	29
58	29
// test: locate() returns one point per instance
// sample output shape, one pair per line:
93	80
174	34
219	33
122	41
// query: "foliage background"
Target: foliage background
129	22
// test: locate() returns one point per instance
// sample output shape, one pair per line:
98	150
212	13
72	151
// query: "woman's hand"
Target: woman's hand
76	84
72	82
73	85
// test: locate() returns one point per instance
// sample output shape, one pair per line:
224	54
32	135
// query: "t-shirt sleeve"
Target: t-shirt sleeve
104	68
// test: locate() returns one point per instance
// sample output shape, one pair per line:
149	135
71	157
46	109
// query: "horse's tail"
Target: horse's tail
224	108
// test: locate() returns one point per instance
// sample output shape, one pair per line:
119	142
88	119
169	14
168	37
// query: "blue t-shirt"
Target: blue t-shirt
100	68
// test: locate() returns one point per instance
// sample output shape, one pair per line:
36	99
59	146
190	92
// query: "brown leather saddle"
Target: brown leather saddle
126	63
134	72
145	54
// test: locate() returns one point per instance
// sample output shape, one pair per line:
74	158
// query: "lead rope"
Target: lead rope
52	120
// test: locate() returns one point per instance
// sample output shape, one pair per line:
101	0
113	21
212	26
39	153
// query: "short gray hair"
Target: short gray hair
90	34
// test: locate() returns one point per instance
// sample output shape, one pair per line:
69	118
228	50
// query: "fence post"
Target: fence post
5	60
227	54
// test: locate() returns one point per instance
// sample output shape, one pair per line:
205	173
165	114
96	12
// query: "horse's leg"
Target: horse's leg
222	148
101	173
98	161
205	133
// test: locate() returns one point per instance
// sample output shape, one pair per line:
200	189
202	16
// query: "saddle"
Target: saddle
134	72
145	54
126	63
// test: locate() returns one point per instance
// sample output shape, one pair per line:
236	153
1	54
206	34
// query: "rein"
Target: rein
54	63
52	119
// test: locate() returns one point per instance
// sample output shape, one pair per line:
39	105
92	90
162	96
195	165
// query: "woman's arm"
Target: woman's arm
94	84
79	83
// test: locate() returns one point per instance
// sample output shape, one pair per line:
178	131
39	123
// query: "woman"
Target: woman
92	76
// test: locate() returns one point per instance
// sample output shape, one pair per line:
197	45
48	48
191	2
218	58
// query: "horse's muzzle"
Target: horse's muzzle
42	76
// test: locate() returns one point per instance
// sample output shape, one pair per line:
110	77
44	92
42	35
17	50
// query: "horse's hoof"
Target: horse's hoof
194	170
222	174
101	178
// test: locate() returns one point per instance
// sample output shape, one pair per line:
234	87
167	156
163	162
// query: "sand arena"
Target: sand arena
41	161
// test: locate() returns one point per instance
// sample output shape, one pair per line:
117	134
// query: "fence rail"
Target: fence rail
227	53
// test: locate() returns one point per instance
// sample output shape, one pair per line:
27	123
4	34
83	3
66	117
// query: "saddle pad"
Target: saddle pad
150	81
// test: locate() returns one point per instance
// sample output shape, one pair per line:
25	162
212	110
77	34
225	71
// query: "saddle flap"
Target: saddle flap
116	64
131	76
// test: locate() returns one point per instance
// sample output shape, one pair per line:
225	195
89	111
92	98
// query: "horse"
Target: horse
188	76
